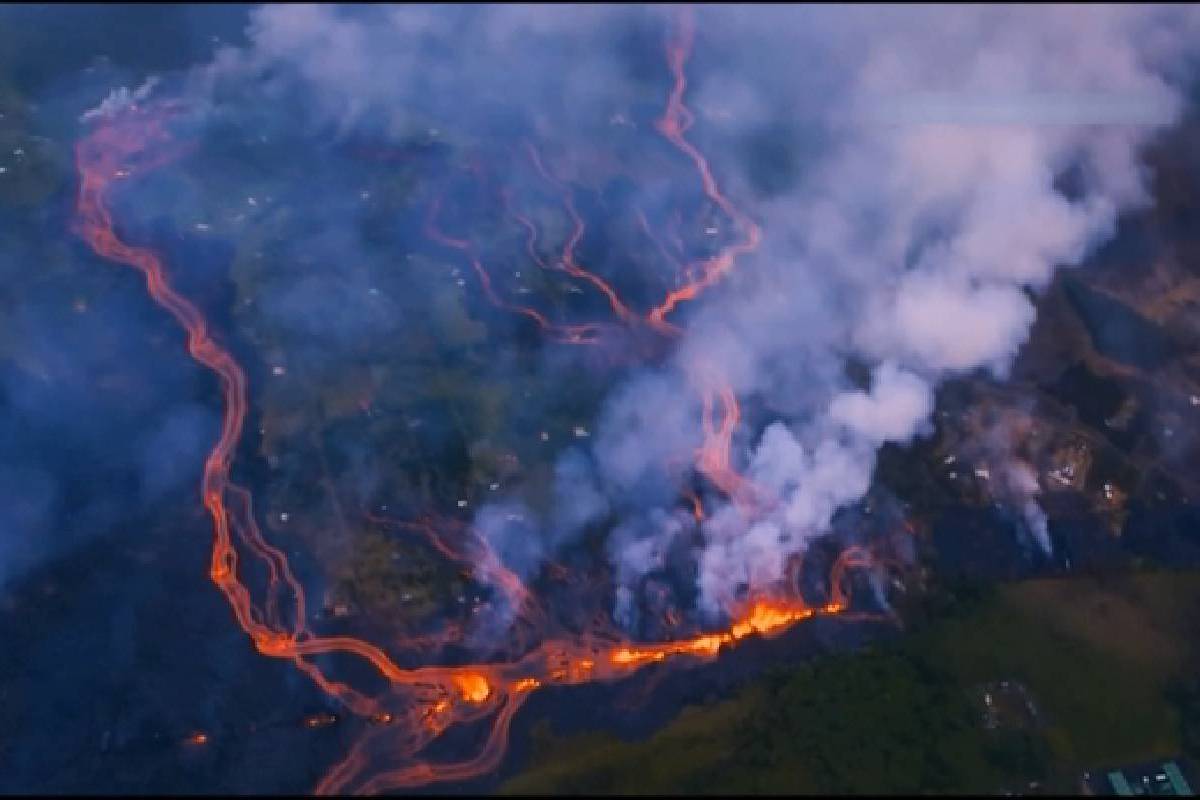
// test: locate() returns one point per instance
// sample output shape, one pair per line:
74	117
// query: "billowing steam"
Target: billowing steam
936	166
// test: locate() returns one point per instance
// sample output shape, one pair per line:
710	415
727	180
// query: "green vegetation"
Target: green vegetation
32	167
397	582
1185	694
1105	661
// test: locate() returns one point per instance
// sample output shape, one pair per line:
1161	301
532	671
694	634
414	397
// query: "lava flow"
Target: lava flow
584	333
673	124
421	703
713	457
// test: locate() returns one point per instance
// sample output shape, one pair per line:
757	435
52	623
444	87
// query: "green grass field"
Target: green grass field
1096	655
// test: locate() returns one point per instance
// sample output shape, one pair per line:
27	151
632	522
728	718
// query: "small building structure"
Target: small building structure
1168	777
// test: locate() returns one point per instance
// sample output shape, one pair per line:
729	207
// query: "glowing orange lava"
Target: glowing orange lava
474	687
713	458
586	333
568	263
673	124
420	703
197	739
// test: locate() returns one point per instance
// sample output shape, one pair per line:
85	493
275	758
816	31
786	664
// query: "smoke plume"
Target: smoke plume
908	168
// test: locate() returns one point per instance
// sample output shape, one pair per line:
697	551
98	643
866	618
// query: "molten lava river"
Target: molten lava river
406	708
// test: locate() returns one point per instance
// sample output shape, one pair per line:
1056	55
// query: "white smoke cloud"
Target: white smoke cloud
579	501
648	424
120	99
1022	480
925	214
929	223
397	70
896	405
637	547
1001	450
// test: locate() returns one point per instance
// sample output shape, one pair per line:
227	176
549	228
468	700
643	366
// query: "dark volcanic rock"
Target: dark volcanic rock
1118	331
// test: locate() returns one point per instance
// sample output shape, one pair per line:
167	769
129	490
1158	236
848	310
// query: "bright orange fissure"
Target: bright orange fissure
423	702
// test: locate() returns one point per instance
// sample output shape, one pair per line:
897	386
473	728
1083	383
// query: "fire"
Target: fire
272	644
434	698
526	685
474	688
764	618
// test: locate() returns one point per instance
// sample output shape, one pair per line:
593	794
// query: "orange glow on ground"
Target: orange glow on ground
474	688
420	703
